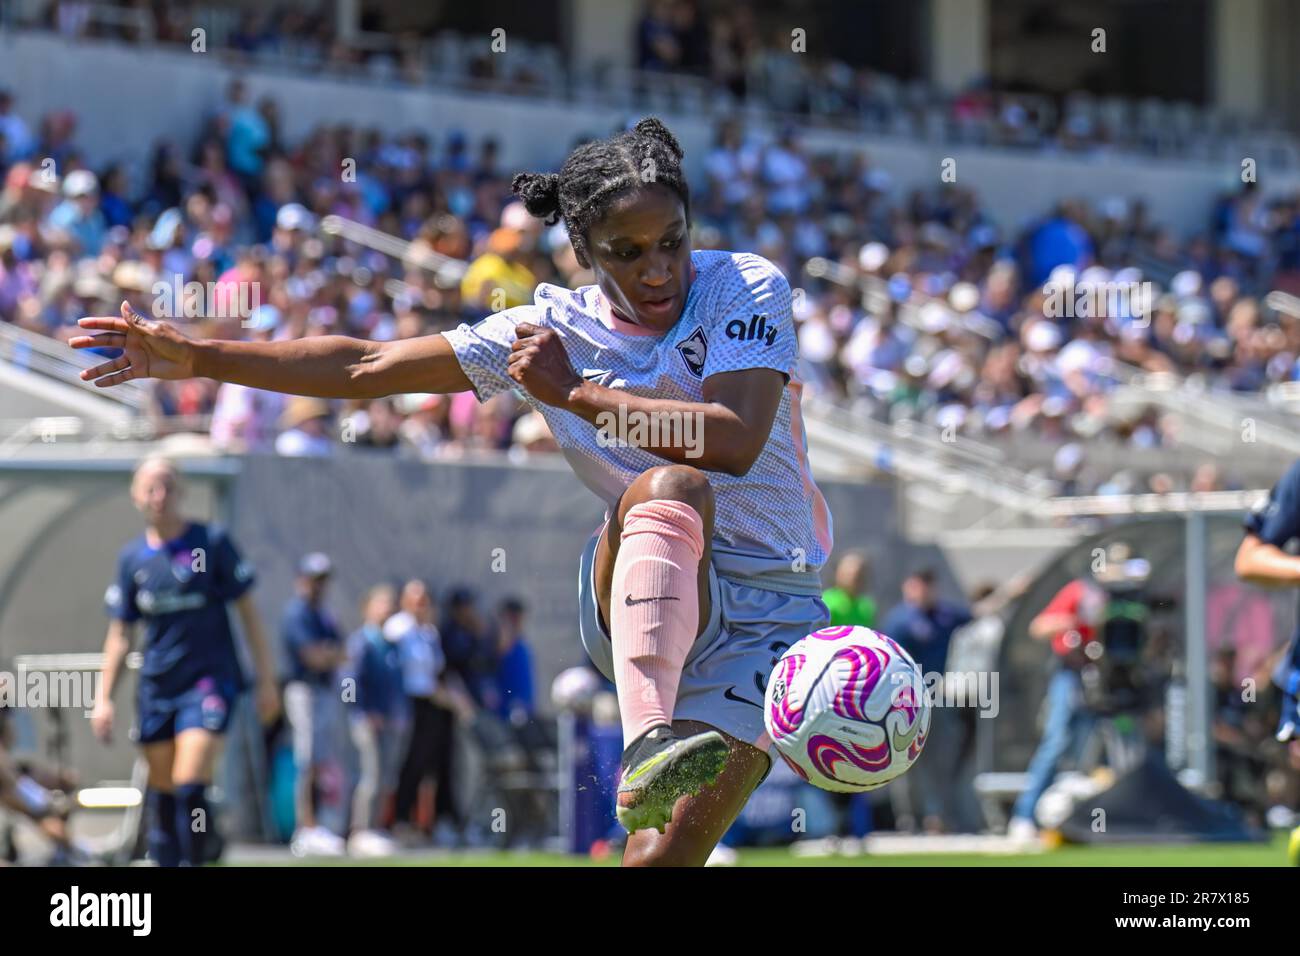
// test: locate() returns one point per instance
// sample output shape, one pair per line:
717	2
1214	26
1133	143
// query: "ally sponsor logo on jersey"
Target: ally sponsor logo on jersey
758	330
75	909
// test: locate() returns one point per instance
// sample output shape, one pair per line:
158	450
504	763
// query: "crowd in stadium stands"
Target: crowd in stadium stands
731	52
953	329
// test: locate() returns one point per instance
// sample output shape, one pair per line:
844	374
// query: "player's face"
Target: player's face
155	493
641	255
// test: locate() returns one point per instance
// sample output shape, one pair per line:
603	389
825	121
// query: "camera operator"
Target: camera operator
1073	621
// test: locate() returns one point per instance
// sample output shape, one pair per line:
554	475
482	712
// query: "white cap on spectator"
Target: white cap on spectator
953	414
1054	406
80	182
1114	207
1043	337
1067	458
1062	277
294	216
415	402
1094	276
945	369
315	565
530	428
935	316
264	318
1186	283
964	296
1194	312
872	256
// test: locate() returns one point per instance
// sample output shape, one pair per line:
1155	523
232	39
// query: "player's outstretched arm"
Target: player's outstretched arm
329	366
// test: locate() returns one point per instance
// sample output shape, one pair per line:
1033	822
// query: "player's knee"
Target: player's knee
676	483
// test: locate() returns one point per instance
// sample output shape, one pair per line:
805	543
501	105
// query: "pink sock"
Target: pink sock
657	568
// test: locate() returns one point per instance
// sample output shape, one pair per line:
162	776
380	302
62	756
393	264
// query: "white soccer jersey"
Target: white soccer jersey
771	526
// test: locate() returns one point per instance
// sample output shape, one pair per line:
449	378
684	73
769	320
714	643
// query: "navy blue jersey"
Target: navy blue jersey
1277	522
180	591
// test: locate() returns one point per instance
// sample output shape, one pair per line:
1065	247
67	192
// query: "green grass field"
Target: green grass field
1272	853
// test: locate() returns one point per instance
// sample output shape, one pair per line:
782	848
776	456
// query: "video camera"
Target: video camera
1112	674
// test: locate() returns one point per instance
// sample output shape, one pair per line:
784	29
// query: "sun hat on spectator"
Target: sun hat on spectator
134	276
301	409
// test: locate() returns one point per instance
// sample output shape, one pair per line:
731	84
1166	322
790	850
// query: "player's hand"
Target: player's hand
268	701
539	363
151	349
101	721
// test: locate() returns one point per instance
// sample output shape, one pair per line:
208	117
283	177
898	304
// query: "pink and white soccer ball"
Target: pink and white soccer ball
846	709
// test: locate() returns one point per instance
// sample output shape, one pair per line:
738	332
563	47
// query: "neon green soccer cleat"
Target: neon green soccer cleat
658	768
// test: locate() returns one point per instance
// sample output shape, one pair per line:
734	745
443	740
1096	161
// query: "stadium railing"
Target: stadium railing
49	357
447	270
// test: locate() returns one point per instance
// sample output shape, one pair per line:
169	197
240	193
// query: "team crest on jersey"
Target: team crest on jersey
694	349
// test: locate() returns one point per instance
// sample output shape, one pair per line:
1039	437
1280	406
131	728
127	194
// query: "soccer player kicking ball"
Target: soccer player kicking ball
177	578
1261	560
668	385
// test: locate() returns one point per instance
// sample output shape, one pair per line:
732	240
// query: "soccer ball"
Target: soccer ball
846	709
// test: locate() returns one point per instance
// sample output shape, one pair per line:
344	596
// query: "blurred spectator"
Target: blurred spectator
432	703
17	138
312	704
498	279
514	694
380	721
78	215
306	424
469	650
923	626
848	599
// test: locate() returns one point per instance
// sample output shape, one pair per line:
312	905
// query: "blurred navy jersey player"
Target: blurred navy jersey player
177	578
1263	560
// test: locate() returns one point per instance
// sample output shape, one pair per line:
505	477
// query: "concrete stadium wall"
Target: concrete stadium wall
126	98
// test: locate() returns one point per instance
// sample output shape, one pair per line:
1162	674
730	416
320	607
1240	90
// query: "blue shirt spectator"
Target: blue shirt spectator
376	665
312	642
79	214
514	673
923	625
